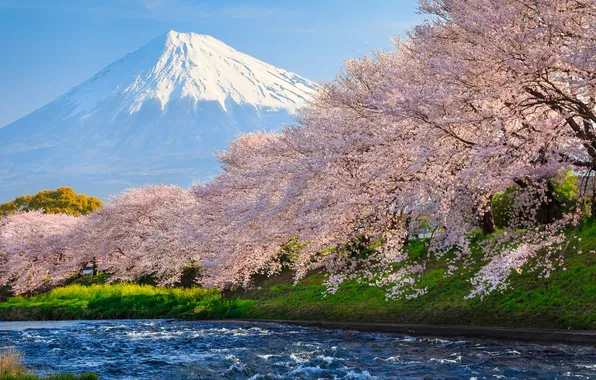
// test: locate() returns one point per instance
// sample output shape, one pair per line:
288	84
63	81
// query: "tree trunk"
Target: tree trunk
549	211
94	267
407	223
487	220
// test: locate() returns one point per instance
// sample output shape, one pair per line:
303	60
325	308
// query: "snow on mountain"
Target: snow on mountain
155	116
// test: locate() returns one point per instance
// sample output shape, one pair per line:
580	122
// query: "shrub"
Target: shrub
12	363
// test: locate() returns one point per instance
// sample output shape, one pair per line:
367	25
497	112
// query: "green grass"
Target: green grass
567	299
116	301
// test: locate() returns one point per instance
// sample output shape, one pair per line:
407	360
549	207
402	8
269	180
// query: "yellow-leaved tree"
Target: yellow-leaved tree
63	200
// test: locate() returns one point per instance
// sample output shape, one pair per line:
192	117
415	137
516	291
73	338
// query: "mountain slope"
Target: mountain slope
154	116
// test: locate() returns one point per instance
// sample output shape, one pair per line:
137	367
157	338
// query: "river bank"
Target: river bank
566	300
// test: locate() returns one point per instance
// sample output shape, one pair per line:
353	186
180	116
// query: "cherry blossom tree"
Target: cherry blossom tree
510	83
33	249
141	232
317	183
484	96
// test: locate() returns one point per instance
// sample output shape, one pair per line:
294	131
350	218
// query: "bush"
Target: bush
12	363
119	300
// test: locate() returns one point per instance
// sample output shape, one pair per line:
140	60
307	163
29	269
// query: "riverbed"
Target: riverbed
161	349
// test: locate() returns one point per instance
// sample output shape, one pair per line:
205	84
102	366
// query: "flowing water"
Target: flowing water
160	349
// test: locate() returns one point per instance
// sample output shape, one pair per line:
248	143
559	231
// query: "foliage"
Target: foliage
566	191
117	301
288	254
60	201
189	276
502	204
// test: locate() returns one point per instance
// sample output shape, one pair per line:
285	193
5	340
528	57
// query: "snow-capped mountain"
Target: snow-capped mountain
155	116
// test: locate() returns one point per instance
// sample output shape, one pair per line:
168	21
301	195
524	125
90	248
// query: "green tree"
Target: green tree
566	190
62	200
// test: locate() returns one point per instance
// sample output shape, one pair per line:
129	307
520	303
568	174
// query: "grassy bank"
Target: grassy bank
567	299
116	301
12	367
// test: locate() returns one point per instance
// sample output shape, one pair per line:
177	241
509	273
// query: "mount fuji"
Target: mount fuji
155	116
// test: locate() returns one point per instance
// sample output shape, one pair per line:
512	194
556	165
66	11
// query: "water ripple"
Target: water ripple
159	349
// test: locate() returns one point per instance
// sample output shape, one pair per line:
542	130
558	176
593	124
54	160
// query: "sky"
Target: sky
49	46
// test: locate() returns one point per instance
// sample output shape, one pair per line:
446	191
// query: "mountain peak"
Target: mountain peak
198	67
153	116
178	38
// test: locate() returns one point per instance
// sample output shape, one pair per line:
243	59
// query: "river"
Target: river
160	349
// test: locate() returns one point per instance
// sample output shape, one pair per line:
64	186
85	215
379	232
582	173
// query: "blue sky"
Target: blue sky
50	46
